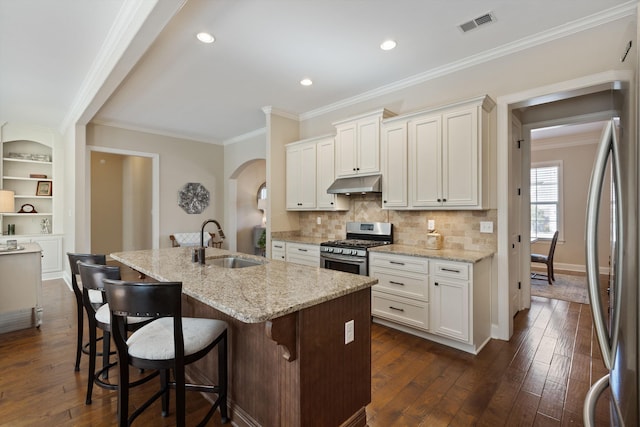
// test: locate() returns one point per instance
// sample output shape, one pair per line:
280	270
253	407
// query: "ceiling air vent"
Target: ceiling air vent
474	23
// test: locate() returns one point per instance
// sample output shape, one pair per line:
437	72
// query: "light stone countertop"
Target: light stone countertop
300	239
252	294
26	248
446	254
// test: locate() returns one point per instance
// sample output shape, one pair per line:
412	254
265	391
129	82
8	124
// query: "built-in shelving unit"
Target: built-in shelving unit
28	169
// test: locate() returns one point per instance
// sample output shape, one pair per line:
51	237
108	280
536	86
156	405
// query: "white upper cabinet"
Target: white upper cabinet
450	151
358	144
325	162
394	165
425	170
310	171
301	176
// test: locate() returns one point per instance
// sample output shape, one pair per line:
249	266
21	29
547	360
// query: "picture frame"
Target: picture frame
44	188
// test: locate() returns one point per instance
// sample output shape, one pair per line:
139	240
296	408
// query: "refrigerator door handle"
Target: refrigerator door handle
608	145
590	401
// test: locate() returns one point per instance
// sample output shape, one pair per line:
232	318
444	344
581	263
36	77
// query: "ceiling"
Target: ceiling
58	63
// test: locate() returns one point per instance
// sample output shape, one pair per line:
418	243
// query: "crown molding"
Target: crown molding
154	131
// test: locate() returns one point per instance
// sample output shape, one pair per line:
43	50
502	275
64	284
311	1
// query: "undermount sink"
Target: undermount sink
234	262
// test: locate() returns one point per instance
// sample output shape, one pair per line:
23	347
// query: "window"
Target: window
546	199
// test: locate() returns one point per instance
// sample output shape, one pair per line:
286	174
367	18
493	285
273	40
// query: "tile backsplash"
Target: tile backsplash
460	229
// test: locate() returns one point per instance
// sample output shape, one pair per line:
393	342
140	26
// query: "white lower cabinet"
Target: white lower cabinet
51	245
278	250
450	297
444	301
402	292
300	253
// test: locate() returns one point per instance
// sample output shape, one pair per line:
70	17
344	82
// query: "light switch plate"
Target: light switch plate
486	226
431	225
348	331
319	220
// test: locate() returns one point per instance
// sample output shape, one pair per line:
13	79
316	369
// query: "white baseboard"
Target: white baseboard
576	268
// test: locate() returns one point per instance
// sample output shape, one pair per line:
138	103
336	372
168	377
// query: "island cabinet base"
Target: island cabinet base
296	370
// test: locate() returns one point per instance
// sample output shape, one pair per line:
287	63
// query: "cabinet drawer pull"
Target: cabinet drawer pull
396	309
396	283
450	270
303	250
396	262
277	246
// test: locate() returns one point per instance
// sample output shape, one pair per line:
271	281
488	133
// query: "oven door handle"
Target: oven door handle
349	259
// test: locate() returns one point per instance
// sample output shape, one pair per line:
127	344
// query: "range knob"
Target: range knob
354	252
337	251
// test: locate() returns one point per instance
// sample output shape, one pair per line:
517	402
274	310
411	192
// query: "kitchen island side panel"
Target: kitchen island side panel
328	383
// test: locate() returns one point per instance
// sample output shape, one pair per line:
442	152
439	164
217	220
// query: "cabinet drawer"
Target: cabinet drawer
405	284
302	249
402	310
453	270
399	262
304	260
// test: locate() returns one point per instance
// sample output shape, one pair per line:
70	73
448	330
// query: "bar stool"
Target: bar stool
99	317
167	343
94	295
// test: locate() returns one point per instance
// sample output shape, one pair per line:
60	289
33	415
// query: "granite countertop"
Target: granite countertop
289	238
447	254
252	294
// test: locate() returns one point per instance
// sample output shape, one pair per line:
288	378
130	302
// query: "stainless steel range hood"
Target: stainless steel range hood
356	184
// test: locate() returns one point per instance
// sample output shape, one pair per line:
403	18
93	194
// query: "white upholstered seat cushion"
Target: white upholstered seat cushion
95	296
154	341
191	239
104	316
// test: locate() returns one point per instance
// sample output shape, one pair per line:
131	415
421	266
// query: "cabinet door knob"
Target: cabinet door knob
384	201
436	283
332	203
439	200
444	200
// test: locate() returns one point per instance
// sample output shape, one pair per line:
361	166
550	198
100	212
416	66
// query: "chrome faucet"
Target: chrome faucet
200	251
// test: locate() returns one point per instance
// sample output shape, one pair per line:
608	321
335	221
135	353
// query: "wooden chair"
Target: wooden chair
547	259
167	343
77	291
99	317
193	239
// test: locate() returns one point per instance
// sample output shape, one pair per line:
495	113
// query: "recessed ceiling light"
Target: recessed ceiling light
306	82
205	37
388	45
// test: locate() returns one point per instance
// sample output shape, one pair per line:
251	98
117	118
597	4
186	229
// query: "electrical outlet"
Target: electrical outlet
431	224
486	226
319	220
348	332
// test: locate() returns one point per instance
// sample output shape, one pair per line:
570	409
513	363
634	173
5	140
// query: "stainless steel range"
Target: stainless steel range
351	254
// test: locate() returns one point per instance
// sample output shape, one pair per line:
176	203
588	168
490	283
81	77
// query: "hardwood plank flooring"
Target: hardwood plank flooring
538	378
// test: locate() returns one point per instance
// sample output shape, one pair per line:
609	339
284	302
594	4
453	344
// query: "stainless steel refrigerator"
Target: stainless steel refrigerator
616	322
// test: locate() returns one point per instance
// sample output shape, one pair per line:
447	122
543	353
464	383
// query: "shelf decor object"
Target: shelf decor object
44	188
7	201
193	197
27	208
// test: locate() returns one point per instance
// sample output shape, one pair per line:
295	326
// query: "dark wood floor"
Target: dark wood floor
539	377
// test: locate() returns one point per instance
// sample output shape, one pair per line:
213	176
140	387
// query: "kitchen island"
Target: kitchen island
289	364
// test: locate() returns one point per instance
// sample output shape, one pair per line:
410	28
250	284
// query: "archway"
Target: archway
242	210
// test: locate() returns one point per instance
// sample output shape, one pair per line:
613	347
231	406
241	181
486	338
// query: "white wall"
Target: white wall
181	161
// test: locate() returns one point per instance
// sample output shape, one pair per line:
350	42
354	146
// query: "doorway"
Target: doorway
550	103
123	198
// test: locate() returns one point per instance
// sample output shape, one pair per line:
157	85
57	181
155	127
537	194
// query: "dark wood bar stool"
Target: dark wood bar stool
99	317
167	344
95	296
